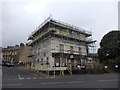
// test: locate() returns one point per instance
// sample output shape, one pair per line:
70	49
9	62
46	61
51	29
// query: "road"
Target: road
16	77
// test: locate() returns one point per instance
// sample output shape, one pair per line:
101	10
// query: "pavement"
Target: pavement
16	77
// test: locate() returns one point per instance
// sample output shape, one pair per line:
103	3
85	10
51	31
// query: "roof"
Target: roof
62	24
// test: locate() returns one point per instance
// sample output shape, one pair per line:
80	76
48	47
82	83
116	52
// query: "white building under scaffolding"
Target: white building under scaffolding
56	46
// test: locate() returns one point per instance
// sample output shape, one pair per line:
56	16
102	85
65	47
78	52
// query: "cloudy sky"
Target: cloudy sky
19	19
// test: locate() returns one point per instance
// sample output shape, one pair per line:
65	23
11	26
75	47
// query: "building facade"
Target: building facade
10	53
23	53
59	45
16	54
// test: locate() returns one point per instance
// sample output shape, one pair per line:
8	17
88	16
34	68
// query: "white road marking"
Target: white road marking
28	78
62	82
108	80
19	77
34	78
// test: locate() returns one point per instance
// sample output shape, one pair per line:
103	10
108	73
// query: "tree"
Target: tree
109	51
22	44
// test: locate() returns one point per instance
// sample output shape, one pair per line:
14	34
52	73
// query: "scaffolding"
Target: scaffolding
54	28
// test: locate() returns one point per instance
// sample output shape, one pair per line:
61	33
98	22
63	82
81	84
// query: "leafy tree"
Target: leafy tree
109	51
22	44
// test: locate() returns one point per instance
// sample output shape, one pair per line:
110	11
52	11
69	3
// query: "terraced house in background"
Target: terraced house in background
16	54
58	46
10	53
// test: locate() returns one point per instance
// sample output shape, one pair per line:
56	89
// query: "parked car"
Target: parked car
2	63
9	64
79	66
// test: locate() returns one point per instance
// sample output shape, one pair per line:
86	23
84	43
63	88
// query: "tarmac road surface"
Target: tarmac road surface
14	77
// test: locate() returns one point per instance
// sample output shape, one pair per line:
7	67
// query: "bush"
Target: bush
97	69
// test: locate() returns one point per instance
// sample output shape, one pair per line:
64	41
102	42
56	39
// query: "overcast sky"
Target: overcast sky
19	19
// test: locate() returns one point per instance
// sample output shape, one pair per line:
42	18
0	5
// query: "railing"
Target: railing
65	51
62	24
41	25
75	37
72	27
42	33
30	42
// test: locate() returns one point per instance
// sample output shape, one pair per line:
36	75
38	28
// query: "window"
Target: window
44	54
47	62
47	58
38	60
41	61
57	62
61	48
70	32
79	50
71	49
74	34
38	53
